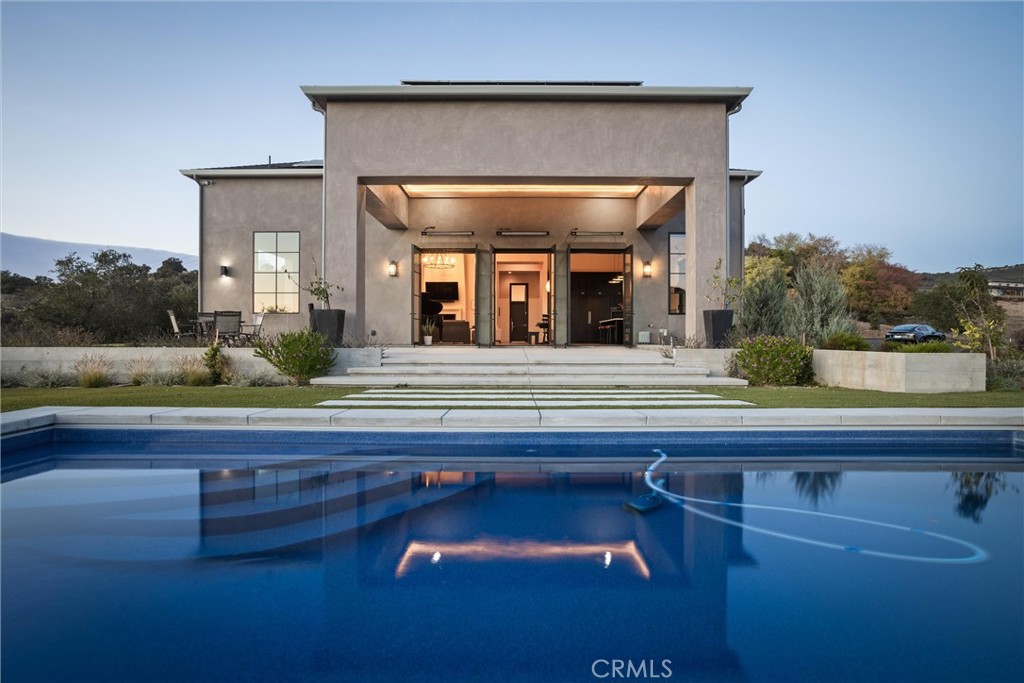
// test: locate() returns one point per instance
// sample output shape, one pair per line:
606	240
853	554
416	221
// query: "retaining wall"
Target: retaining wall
17	359
925	373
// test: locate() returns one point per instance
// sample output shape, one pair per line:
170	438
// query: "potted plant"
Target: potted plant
328	321
428	328
718	321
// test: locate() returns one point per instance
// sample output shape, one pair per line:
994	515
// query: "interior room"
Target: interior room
448	294
595	297
522	298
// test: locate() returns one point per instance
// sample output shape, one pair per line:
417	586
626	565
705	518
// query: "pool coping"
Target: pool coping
477	420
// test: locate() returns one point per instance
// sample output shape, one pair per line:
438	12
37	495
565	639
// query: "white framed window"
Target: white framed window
275	272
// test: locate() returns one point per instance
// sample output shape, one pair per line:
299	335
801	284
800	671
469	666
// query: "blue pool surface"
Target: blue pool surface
386	570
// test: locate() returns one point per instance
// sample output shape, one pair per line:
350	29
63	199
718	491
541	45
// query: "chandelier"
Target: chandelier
440	260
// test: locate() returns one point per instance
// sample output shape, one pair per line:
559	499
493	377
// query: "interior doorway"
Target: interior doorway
518	312
444	295
523	296
600	296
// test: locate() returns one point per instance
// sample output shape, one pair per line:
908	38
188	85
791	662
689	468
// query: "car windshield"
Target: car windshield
904	328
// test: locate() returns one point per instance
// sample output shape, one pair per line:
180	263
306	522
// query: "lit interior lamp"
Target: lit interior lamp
224	272
392	268
647	268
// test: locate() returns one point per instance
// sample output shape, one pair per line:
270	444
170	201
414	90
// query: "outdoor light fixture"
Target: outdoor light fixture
225	272
392	268
647	268
522	233
431	231
596	233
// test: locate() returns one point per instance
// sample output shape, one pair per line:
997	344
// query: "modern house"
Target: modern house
522	212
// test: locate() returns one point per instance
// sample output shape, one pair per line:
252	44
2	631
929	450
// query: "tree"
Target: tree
763	302
818	308
979	318
876	288
112	297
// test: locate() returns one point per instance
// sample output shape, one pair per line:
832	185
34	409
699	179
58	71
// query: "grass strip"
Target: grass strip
310	396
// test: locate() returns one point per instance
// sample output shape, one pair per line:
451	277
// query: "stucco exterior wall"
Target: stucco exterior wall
375	142
232	210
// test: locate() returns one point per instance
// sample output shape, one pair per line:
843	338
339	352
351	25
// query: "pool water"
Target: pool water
318	572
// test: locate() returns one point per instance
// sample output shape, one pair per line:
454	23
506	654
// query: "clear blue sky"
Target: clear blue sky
895	124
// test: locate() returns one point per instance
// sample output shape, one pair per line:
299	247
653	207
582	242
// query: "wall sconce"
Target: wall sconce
392	269
647	268
225	271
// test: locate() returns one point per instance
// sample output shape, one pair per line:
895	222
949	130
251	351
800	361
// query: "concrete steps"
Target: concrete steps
526	366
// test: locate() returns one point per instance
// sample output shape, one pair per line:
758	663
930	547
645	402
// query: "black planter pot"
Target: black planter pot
329	322
717	324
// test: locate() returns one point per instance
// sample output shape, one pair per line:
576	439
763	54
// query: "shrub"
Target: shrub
846	341
93	371
775	360
38	378
300	356
1005	374
256	379
139	370
925	347
192	370
39	334
216	363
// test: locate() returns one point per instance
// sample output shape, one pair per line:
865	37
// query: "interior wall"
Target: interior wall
536	300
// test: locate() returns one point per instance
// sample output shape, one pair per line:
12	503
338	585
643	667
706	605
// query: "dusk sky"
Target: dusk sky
899	124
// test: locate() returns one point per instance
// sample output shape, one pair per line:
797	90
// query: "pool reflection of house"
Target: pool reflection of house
472	567
589	211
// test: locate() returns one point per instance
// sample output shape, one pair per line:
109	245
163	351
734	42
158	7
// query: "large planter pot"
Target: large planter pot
329	322
717	324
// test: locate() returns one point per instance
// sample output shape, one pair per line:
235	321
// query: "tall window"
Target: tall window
275	278
677	273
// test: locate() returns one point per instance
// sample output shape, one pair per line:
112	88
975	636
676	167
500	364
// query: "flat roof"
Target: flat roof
540	91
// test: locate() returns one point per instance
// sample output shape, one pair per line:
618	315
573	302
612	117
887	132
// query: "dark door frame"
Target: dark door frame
526	308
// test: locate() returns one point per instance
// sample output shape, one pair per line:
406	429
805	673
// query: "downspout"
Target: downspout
199	284
323	198
728	196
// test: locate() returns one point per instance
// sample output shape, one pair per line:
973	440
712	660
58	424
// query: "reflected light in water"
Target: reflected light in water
489	550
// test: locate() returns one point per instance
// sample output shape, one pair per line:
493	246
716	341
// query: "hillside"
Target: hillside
32	257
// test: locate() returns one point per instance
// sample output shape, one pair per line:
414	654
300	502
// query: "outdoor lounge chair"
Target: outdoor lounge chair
178	332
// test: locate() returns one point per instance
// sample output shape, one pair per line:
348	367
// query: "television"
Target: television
442	291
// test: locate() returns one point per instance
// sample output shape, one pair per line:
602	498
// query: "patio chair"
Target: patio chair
204	323
178	332
227	326
252	332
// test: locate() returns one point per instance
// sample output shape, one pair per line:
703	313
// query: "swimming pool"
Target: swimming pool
375	567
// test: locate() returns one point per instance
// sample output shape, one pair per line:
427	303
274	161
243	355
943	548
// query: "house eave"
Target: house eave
320	95
202	173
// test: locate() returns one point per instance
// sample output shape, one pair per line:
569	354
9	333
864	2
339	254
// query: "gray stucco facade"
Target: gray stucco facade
600	176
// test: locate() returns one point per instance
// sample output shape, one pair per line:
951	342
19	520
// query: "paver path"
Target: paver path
419	397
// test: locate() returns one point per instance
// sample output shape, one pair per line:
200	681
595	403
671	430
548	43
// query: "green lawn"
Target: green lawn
308	397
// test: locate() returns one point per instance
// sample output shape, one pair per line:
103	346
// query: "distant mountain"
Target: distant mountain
31	256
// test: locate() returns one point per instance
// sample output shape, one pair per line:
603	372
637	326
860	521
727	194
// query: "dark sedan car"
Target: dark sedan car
913	334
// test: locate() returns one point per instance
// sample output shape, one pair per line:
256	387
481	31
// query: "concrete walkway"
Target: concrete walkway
531	398
536	419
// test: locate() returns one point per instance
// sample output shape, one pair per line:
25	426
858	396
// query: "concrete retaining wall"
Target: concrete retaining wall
714	360
926	373
17	359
